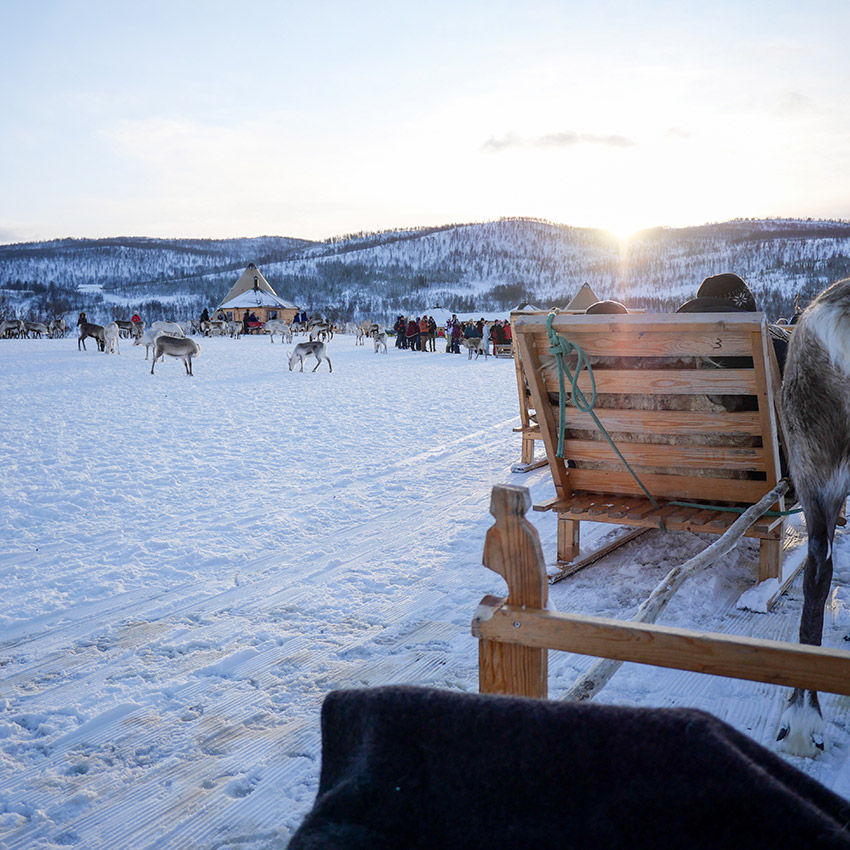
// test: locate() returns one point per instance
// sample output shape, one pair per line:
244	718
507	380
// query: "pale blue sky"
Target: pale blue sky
212	119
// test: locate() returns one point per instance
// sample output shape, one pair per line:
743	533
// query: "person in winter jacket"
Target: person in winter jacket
423	333
457	331
400	328
432	334
412	334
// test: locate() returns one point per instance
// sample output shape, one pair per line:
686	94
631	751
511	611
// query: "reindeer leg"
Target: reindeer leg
801	726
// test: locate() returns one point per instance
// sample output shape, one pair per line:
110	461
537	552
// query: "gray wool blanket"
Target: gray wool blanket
406	768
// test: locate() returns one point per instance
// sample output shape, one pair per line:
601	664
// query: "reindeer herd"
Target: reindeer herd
19	329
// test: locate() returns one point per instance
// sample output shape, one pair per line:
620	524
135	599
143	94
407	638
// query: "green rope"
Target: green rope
561	348
730	509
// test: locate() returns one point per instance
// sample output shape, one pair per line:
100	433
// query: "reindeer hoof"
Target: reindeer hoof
801	731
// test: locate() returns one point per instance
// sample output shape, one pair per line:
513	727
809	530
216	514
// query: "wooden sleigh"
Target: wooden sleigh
725	452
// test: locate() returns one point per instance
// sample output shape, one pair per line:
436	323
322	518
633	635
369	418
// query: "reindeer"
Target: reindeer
475	344
96	332
305	349
214	327
816	414
35	330
276	326
323	330
110	336
380	342
147	339
57	328
170	328
176	346
12	326
127	329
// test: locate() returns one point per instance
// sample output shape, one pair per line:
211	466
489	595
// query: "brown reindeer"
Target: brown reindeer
96	332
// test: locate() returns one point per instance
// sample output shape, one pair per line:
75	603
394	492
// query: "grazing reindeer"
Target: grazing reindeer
57	328
147	339
110	336
380	342
816	413
36	329
12	326
96	332
305	349
181	347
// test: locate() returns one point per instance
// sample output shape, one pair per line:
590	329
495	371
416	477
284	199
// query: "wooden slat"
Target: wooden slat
787	664
664	382
645	515
546	416
625	506
637	343
547	504
582	504
666	421
685	458
702	520
767	408
668	486
676	324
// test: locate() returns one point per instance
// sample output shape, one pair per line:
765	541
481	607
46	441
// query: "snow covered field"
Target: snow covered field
190	564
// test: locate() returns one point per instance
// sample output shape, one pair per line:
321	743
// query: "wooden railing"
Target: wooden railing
516	633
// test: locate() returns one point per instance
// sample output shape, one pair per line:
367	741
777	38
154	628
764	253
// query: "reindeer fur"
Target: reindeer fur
816	413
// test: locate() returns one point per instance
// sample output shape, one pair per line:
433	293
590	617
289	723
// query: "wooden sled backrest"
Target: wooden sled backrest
691	399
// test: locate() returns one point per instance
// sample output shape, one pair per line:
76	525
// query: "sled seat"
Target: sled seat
690	401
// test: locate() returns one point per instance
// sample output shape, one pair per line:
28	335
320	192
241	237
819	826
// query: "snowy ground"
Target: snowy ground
191	564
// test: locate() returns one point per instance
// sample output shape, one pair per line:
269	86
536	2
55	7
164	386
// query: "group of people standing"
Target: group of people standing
420	333
498	333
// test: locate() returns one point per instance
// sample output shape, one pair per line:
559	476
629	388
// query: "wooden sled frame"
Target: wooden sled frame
691	468
516	633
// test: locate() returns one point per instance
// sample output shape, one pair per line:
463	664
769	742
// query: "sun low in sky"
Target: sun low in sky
313	119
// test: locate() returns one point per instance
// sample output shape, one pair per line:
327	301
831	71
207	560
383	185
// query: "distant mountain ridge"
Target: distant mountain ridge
467	267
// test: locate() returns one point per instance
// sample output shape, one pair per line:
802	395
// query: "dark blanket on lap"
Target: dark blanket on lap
406	767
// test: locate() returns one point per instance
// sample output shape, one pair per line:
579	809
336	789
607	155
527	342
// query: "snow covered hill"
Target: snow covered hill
467	267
